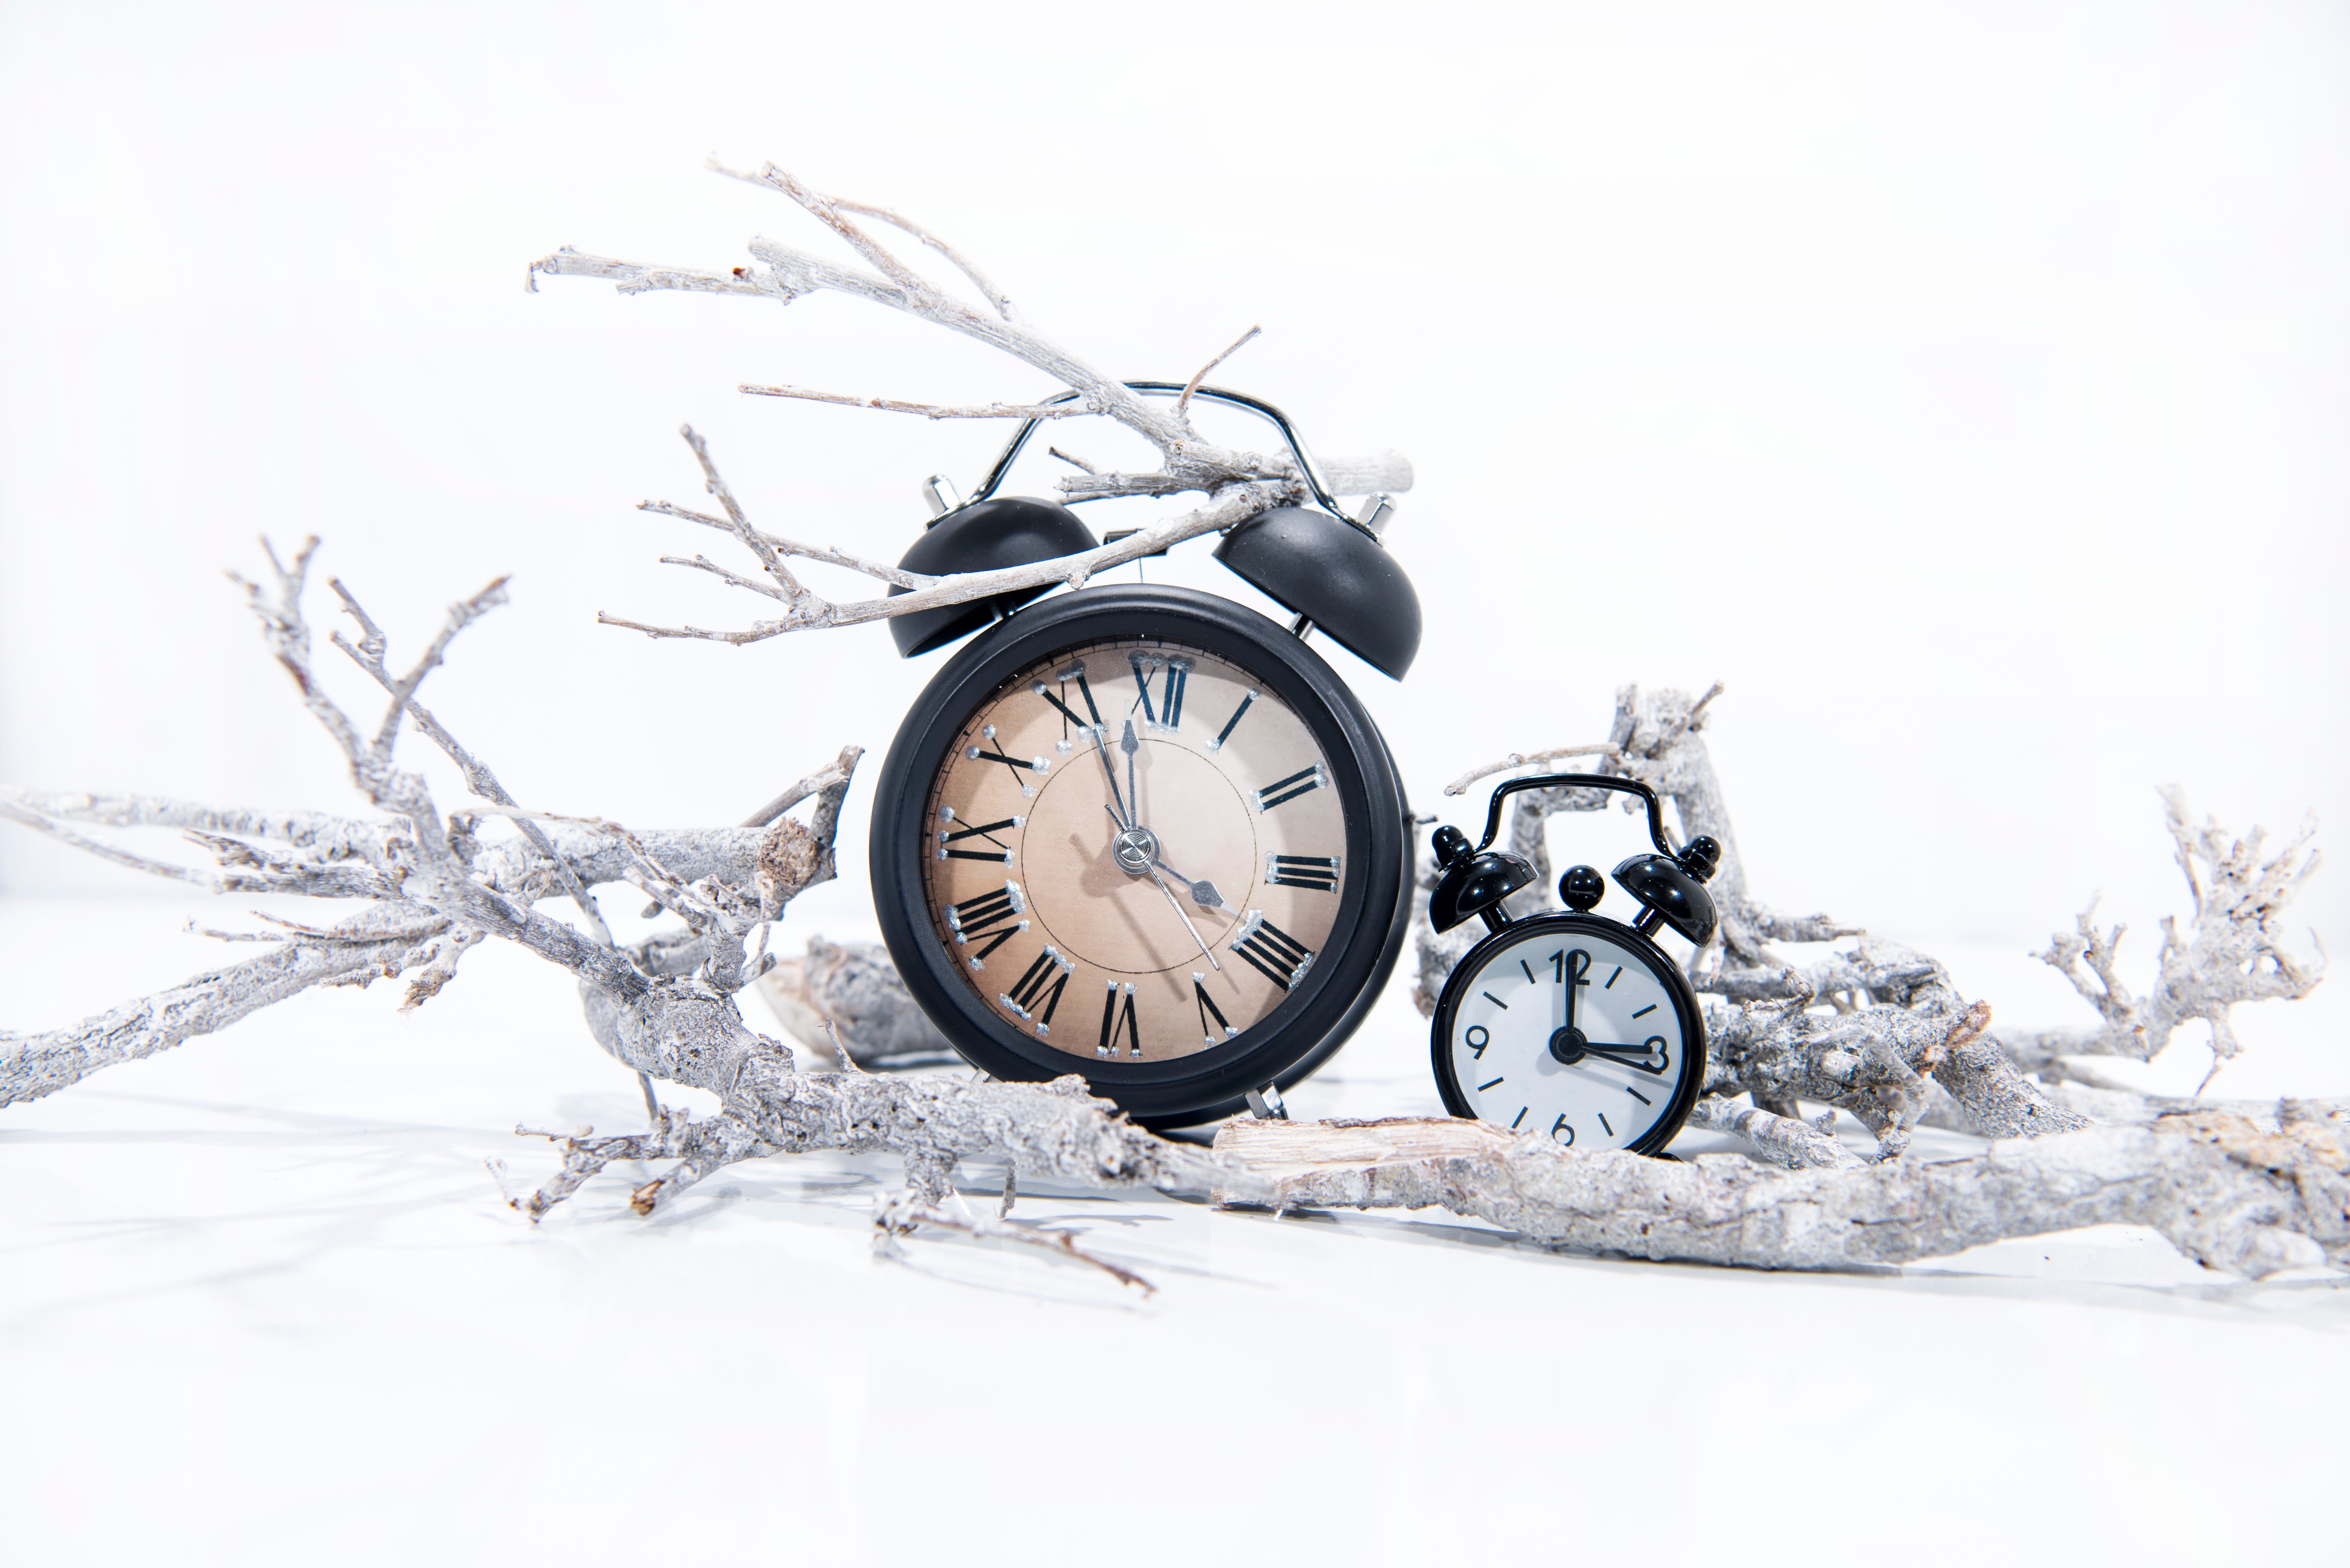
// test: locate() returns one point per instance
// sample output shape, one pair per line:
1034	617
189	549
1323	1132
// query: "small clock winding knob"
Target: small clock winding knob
1582	889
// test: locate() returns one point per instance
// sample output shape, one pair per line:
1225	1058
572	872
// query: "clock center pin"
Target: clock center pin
1134	848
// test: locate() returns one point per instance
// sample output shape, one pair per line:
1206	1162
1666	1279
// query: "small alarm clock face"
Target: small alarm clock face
1572	1027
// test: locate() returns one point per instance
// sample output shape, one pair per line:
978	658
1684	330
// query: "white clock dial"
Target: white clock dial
1569	1033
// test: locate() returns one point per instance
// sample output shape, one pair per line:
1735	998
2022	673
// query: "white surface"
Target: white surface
1980	372
259	1303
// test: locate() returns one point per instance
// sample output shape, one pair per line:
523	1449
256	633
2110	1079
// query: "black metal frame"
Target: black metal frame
1474	962
1580	780
1308	1026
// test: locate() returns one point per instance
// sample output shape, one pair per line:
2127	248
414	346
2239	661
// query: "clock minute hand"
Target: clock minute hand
1129	745
1101	749
1623	1055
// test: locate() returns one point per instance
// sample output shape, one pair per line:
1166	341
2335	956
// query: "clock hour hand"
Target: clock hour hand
1179	915
1203	894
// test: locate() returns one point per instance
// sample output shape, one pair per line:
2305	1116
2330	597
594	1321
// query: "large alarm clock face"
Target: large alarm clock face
1133	851
1566	1030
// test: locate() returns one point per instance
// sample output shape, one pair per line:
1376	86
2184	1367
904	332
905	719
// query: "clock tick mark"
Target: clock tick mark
1486	994
1637	1095
1611	979
1646	1011
1520	1116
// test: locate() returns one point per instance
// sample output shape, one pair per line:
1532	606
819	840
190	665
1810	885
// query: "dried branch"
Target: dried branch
665	1008
1783	1140
381	939
845	1000
1869	1031
2233	952
806	609
930	411
1516	760
898	1214
1183	403
2222	1190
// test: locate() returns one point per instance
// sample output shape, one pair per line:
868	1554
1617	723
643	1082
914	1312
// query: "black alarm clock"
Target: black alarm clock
1572	1025
1146	833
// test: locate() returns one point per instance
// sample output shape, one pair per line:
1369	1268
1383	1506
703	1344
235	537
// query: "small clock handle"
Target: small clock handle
1580	780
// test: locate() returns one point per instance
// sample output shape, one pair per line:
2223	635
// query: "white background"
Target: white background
1964	388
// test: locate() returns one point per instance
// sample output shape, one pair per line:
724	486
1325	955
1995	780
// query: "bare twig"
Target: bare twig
931	411
1528	759
1183	403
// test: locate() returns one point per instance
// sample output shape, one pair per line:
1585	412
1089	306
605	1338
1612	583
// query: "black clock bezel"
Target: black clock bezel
1359	954
1473	963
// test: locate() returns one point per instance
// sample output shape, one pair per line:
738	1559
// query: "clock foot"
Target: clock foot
1266	1104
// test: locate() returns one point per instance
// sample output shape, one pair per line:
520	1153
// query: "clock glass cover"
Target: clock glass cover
1133	851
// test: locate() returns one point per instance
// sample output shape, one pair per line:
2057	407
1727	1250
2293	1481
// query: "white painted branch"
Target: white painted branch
1517	760
1226	510
2233	952
928	410
2224	1192
1783	1140
846	997
1378	474
380	940
1896	1024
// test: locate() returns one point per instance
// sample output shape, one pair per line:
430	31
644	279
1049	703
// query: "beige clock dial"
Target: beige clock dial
1133	851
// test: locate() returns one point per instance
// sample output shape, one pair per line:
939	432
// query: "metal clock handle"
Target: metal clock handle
1580	780
1279	421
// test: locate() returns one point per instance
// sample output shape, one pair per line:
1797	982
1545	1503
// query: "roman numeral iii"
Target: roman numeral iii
1319	872
1273	952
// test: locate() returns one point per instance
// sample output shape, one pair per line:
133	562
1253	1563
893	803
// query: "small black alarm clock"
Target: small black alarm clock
1572	1025
1146	833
